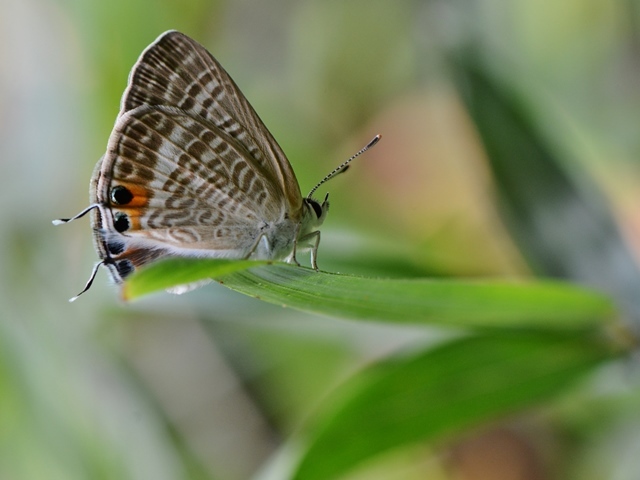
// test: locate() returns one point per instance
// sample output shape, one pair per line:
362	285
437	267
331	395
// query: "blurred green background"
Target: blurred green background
210	385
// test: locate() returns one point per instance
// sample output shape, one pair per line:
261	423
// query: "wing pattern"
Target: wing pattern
190	182
177	71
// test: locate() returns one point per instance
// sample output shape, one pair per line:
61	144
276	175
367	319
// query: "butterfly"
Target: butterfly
191	171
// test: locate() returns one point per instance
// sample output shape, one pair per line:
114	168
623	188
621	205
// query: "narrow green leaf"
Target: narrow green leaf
442	392
180	271
557	214
443	302
454	302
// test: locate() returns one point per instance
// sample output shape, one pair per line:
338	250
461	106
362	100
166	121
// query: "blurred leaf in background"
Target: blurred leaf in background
510	149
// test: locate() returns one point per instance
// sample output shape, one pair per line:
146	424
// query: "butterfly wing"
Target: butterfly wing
177	71
175	184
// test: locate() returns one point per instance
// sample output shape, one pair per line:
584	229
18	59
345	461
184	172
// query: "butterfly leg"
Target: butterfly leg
292	257
256	244
313	240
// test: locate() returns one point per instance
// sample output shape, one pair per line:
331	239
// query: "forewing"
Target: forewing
177	71
190	185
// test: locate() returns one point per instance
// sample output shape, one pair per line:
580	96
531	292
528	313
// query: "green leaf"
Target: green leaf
180	271
557	214
424	301
439	393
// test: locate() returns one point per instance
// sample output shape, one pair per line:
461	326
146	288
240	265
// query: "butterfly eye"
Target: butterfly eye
121	195
121	222
316	207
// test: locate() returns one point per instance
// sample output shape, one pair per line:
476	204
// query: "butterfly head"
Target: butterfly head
317	210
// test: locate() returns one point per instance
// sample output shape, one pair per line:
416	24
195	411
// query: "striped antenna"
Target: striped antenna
344	166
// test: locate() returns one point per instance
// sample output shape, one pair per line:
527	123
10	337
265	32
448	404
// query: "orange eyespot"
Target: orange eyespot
129	196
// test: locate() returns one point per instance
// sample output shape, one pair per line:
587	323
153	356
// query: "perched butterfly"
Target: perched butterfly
191	171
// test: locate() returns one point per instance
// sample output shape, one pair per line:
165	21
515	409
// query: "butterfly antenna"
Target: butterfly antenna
344	166
94	272
60	221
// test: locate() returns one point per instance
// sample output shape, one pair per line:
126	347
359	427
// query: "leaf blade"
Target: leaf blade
175	272
441	392
487	304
